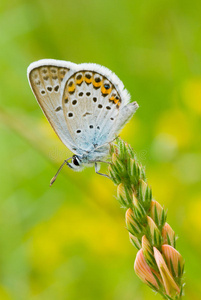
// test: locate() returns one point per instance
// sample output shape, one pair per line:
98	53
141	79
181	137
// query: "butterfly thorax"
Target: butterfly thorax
88	158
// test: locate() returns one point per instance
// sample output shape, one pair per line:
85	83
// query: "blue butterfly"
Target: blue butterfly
86	104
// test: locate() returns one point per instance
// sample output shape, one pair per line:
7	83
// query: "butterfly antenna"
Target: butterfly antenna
57	173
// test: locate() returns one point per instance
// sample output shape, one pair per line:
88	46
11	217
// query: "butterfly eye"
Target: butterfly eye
76	161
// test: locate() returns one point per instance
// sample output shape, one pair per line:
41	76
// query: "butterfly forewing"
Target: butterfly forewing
90	105
46	83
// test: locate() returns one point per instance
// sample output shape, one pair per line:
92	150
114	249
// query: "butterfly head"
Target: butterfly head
76	163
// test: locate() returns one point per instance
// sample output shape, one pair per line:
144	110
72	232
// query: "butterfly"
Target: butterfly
86	105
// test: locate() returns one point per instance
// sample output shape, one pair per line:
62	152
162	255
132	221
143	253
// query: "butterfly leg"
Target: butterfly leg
96	170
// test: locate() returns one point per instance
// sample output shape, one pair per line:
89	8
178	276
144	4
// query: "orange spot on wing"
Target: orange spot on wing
97	84
88	80
112	98
71	88
106	91
116	100
79	81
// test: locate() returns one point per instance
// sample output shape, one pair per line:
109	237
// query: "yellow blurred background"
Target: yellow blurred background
70	241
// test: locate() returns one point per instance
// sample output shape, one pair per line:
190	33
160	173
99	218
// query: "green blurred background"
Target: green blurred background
70	241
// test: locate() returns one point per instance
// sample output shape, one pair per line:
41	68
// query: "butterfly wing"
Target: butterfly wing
125	114
95	105
45	78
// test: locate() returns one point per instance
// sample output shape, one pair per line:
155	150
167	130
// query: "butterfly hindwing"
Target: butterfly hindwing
91	106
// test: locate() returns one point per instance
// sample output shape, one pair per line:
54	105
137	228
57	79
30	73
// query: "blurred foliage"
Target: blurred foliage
69	241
